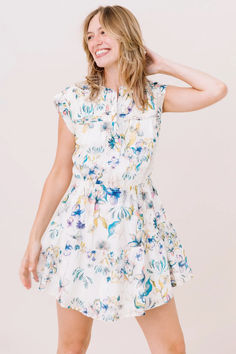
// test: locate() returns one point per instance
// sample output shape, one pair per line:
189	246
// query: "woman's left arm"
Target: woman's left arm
204	91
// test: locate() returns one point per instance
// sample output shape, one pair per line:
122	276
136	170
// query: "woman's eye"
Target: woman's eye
89	37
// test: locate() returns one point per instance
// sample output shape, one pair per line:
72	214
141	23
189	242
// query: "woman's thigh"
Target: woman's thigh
162	329
74	330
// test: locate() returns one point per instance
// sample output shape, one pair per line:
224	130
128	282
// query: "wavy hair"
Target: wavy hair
122	25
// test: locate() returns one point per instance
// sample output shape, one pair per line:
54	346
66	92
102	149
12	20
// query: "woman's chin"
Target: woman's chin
103	63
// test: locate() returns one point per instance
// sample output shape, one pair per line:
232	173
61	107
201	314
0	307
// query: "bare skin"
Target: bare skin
162	330
54	187
74	331
160	325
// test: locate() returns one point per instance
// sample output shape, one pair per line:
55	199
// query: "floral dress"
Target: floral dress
109	251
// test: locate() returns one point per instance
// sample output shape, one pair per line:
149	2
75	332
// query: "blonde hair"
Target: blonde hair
121	24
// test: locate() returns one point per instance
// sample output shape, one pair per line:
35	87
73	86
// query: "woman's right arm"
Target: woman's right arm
54	188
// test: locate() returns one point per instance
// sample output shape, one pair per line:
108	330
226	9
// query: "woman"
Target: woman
108	250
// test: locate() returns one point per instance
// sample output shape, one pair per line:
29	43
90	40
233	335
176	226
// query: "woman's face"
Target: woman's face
99	40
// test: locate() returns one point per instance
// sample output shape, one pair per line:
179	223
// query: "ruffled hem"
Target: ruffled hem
180	280
109	278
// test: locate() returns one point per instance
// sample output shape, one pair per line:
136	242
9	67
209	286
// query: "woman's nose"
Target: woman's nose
97	39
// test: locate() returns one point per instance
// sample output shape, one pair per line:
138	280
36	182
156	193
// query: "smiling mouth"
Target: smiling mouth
102	53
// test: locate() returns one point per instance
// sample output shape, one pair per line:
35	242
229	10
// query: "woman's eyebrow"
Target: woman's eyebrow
98	28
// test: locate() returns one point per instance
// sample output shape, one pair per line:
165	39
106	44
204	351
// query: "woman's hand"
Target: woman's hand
153	62
29	262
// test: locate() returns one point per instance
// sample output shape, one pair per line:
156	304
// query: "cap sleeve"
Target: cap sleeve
63	104
161	91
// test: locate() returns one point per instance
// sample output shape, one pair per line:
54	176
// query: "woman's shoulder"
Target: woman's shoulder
81	88
82	85
157	89
73	91
156	85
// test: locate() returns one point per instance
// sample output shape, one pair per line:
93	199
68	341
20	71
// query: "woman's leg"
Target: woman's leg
162	329
74	331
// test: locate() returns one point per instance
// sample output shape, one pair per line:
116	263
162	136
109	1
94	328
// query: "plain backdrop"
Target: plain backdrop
41	53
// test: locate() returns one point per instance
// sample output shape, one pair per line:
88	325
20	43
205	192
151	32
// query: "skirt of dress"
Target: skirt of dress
111	253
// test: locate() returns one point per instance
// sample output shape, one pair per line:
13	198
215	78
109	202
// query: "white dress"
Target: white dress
109	251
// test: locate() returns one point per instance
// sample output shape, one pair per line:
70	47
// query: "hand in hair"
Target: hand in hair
153	62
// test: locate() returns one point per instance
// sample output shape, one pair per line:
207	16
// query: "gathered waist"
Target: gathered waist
109	183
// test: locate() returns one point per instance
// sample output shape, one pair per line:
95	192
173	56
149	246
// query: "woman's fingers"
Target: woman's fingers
29	264
32	268
25	273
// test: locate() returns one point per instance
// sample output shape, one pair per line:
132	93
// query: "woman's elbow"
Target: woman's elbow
221	91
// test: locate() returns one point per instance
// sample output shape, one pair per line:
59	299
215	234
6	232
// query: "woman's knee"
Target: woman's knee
177	347
78	347
74	331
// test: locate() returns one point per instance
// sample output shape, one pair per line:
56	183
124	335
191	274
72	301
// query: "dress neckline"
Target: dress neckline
118	92
110	89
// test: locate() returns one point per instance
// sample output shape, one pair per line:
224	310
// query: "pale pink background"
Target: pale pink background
195	171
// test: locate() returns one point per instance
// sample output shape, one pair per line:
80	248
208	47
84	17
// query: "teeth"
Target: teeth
101	51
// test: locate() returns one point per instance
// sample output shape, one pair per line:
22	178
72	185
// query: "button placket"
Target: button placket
115	122
115	155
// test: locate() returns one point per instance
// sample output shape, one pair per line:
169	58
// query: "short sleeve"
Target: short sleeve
160	94
63	104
